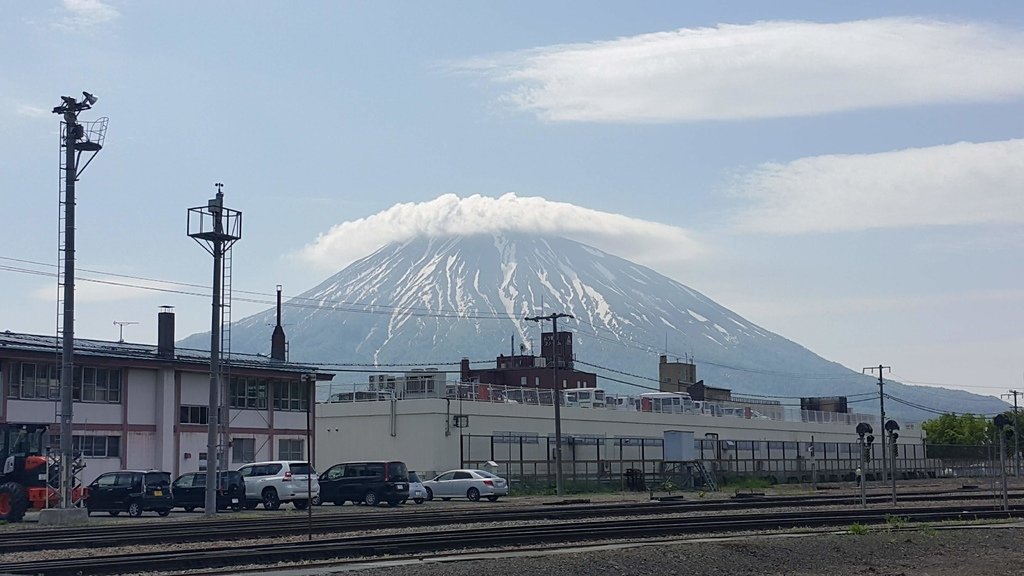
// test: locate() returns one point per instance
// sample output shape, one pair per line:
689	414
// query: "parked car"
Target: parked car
131	491
369	483
190	491
279	481
416	490
470	484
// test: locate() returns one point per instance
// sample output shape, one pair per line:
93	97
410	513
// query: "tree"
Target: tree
963	430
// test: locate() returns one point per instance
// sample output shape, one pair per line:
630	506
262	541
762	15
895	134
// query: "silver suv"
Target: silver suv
279	481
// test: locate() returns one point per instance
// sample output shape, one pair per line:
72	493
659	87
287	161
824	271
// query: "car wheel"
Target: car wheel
445	499
300	504
190	508
317	501
473	494
404	500
135	509
236	507
430	494
492	498
394	503
251	504
339	502
270	499
114	512
418	500
164	512
370	498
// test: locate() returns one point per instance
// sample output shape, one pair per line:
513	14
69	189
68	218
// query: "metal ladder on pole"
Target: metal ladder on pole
706	475
224	422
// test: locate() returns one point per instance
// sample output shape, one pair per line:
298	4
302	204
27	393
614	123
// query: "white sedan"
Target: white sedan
470	484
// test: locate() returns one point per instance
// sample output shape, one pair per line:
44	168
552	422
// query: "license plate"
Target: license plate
234	500
158	492
400	486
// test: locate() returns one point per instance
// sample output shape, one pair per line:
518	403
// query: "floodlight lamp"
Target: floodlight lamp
91	99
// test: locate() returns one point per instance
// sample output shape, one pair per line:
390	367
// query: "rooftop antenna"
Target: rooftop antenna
120	329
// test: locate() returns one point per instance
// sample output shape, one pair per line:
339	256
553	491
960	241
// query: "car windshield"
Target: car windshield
158	479
301	468
398	471
413	477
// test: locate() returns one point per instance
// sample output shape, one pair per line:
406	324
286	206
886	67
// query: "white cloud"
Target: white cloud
763	70
958	184
449	215
80	14
32	111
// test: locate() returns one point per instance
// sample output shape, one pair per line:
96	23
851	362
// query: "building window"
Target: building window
97	385
194	415
243	450
290	449
248	393
91	446
34	381
291	396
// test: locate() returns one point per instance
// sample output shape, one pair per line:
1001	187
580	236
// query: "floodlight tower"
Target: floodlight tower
216	229
76	138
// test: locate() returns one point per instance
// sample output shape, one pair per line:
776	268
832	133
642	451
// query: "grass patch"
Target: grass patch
746	484
894	522
858	529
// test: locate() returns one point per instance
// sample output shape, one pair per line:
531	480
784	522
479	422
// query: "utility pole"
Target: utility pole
216	228
76	138
556	392
1016	432
881	409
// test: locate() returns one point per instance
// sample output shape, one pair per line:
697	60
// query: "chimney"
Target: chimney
277	344
165	332
664	359
464	369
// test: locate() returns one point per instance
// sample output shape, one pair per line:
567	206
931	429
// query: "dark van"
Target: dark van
368	482
131	491
190	491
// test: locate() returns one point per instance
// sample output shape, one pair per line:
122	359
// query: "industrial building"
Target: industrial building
141	406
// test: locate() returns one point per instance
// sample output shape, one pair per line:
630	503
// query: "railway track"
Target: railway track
129	532
489	538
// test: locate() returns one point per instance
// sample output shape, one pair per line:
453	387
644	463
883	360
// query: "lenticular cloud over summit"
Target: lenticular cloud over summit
449	215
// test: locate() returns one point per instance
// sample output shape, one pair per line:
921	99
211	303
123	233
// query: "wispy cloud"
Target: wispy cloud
763	70
82	14
103	291
32	111
449	215
959	184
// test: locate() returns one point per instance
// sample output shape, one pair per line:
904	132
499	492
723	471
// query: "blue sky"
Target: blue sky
847	175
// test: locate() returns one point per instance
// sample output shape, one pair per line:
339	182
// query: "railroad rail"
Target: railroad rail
489	538
326	521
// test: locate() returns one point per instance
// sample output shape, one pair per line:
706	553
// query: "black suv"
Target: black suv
131	491
367	482
190	491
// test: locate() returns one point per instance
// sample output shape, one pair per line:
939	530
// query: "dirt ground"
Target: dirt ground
934	552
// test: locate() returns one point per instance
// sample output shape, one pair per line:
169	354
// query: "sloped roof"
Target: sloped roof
144	353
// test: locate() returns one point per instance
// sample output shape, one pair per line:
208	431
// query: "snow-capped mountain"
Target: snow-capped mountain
436	300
